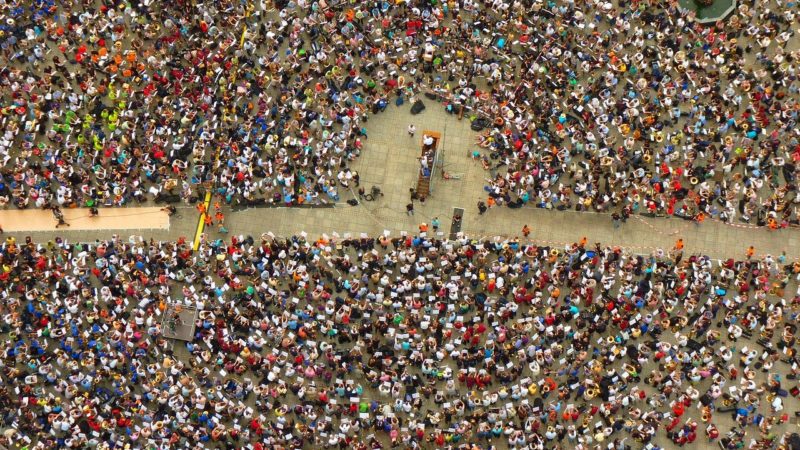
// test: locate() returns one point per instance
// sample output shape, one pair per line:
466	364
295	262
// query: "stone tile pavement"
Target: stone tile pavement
389	160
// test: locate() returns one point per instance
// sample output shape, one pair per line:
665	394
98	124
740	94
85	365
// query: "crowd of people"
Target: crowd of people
642	110
407	342
595	105
412	342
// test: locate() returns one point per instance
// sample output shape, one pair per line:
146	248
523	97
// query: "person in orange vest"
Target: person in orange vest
679	245
750	252
771	222
699	218
526	230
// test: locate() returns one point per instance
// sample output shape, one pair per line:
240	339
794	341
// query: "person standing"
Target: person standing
411	130
410	209
427	142
434	223
677	251
699	218
526	230
59	216
615	218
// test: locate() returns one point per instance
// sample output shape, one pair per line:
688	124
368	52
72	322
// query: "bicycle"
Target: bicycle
375	192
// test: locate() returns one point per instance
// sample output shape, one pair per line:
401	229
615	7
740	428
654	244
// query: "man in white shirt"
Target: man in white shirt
427	142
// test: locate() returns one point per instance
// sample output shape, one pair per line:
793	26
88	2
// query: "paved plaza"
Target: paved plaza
389	160
174	316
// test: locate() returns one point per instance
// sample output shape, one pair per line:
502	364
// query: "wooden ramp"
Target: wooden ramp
423	188
458	220
15	220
